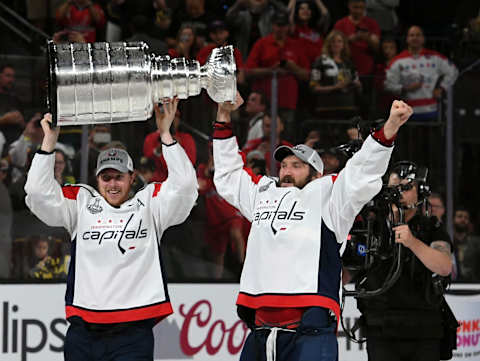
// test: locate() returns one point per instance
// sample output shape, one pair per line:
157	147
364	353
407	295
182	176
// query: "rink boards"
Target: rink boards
204	325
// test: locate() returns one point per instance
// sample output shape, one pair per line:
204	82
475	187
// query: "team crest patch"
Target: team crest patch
95	207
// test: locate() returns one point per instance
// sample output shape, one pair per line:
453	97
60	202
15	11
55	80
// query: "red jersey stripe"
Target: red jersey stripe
157	311
222	133
420	102
157	189
380	137
288	301
255	178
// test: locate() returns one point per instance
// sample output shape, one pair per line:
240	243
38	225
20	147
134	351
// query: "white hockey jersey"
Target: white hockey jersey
297	235
427	68
115	273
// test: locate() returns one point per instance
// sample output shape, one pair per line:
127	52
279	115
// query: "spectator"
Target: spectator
144	175
254	110
81	16
462	238
98	137
219	34
332	160
2	143
62	169
40	12
383	11
363	35
140	26
46	263
152	146
163	18
191	13
21	150
6	218
40	248
310	20
471	263
334	80
11	118
251	20
262	144
420	75
279	53
225	226
437	207
40	254
120	12
186	44
256	162
313	139
384	98
68	36
353	133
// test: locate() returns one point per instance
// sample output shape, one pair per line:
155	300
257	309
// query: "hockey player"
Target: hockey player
116	289
290	283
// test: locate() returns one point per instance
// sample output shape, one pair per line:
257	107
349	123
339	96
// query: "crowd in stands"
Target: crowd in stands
333	60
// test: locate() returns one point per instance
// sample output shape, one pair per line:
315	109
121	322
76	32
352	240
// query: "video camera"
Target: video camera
372	239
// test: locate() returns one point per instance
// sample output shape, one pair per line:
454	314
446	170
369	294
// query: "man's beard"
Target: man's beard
299	184
460	228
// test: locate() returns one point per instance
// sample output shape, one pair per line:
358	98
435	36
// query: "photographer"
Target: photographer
405	322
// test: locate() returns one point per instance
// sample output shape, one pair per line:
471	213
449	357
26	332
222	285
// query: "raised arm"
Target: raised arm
234	182
361	179
177	195
45	197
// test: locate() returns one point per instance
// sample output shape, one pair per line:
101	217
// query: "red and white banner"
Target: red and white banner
204	326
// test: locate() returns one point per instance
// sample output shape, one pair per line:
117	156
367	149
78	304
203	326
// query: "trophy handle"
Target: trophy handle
52	79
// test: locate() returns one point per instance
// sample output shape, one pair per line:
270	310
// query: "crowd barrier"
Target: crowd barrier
204	325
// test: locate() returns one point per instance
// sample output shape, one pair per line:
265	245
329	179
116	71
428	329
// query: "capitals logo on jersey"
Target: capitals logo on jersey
116	234
272	214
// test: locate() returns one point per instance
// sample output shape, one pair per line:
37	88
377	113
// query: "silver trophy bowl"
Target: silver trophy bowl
119	82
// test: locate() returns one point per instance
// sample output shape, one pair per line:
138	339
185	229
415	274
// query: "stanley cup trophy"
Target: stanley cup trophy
119	82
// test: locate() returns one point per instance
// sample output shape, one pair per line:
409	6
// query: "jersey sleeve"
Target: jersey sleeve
356	184
175	198
52	204
234	182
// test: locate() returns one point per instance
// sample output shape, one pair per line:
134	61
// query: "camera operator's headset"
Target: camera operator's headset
411	171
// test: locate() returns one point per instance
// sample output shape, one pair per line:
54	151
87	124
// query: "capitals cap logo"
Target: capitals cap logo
112	153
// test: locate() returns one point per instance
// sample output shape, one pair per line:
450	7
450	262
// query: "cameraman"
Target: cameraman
405	322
